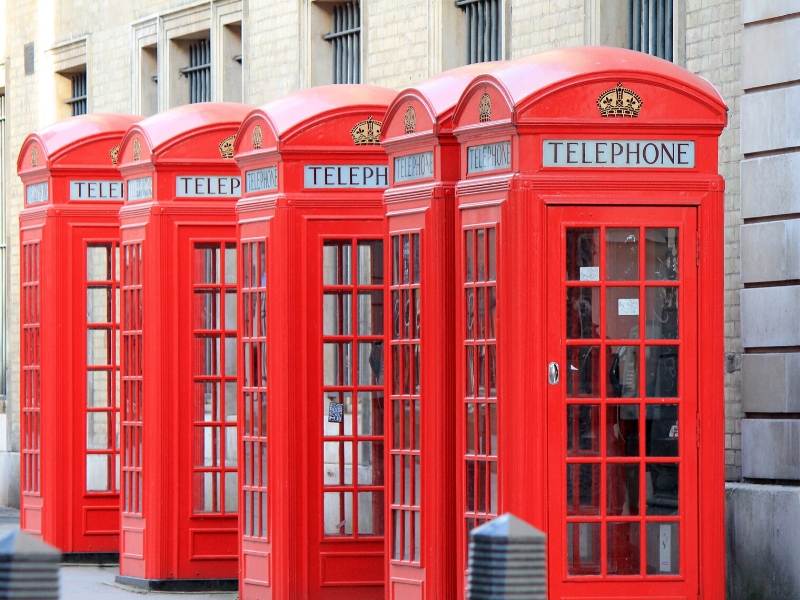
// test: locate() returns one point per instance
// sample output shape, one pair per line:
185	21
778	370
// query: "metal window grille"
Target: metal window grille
199	71
650	27
78	100
484	29
346	41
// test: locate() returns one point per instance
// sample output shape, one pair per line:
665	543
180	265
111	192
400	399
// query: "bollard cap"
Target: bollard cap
507	529
18	545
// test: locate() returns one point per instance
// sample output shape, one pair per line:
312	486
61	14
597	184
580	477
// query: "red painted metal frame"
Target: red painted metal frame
553	95
290	557
420	121
55	236
163	537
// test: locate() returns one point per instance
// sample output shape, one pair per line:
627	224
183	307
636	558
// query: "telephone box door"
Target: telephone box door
622	402
347	412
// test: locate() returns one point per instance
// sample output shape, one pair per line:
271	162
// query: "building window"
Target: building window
232	62
148	89
650	27
199	71
484	29
345	39
77	101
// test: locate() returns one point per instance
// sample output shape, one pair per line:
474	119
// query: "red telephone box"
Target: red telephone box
590	325
178	261
312	345
69	362
420	213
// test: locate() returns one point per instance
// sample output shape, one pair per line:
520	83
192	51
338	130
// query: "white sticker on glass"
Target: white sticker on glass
628	307
590	273
665	548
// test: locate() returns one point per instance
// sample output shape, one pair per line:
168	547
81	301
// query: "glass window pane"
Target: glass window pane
370	463
469	255
337	363
662	313
231	492
370	262
337	314
207	492
336	263
97	471
396	259
98	391
583	312
98	305
583	371
480	254
230	311
338	463
662	430
622	363
583	548
98	430
662	489
583	489
622	254
338	413
583	254
338	513
622	489
663	556
492	254
623	548
230	264
583	430
622	430
622	313
662	253
662	371
98	347
230	401
206	263
231	447
415	258
206	400
370	363
98	263
370	513
370	413
370	313
206	310
207	349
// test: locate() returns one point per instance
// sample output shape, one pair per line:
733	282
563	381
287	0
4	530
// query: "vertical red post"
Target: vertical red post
179	283
69	365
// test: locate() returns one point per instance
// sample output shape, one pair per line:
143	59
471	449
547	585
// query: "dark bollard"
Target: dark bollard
28	568
506	561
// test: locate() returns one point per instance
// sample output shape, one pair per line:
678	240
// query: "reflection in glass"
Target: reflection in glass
622	363
583	312
583	430
661	363
98	433
370	313
583	371
622	430
337	314
370	262
624	545
336	263
98	263
662	489
469	255
98	347
338	513
97	471
370	413
662	430
583	254
370	363
583	489
337	468
583	548
622	313
622	254
370	513
337	363
206	263
97	389
98	305
662	253
370	462
662	313
663	545
622	489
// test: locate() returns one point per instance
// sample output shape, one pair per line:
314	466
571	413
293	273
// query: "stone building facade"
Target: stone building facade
132	54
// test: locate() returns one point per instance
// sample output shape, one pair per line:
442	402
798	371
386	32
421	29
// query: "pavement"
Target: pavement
86	582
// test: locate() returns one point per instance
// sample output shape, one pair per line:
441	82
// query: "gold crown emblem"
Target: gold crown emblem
410	120
34	157
137	149
226	147
258	137
619	102
114	154
485	108
367	132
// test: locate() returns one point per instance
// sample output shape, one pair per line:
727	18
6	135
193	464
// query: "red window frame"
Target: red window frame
214	378
406	398
481	406
102	416
349	386
254	395
132	376
31	368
